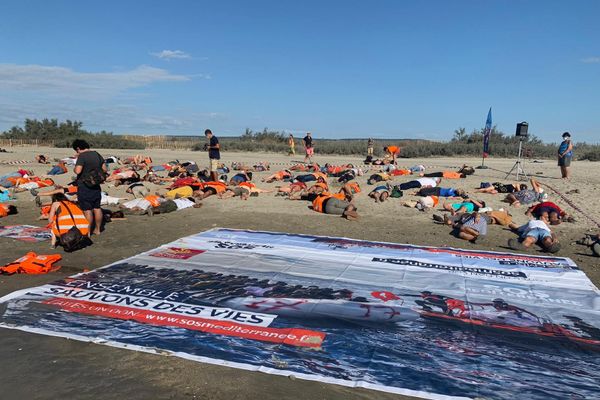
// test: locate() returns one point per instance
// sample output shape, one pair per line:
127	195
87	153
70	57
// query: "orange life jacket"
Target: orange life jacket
69	215
3	210
354	187
249	185
153	199
451	175
322	185
320	175
220	187
71	189
32	263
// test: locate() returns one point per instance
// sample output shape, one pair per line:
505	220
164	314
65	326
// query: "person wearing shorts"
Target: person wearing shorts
565	155
535	231
214	153
308	147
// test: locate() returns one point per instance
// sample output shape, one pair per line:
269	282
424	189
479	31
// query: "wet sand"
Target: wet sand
42	367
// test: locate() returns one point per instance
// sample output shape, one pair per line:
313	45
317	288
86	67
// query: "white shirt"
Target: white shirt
183	203
139	203
427	182
537	224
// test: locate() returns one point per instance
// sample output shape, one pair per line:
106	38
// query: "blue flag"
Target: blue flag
486	134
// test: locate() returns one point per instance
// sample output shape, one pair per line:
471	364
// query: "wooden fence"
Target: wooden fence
166	142
25	142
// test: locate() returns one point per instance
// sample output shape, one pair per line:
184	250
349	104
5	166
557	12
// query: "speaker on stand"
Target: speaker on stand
522	133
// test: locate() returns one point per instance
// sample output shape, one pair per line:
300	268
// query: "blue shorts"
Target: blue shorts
537	233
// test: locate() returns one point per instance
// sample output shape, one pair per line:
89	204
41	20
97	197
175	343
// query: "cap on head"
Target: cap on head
566	135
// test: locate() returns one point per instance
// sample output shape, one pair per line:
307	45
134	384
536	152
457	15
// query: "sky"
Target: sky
340	69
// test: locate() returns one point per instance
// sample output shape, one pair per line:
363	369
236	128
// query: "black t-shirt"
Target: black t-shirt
308	141
90	161
214	154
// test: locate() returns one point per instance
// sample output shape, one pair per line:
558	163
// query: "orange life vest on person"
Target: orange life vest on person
354	187
249	185
16	181
63	221
153	199
451	175
320	175
42	183
32	263
322	185
3	210
320	200
220	187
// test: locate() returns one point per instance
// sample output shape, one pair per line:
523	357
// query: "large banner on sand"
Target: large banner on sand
430	322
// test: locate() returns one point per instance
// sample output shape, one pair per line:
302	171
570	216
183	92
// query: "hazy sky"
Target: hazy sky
337	68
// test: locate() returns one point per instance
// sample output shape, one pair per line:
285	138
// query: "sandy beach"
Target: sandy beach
42	367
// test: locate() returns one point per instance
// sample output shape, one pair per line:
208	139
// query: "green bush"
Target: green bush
63	134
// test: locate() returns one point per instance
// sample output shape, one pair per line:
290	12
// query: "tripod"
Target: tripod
518	167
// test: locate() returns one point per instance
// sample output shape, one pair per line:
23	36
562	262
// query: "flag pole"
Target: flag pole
486	139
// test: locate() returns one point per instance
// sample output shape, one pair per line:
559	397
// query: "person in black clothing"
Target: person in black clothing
90	169
214	154
308	147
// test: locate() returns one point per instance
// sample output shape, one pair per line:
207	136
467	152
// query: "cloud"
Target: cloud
591	60
171	54
65	82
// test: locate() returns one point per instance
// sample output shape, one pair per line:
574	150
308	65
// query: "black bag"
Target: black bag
73	240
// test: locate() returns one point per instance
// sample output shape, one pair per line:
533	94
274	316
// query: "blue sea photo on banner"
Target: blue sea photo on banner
424	321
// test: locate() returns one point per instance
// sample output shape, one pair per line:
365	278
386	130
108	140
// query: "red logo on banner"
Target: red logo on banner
177	253
385	296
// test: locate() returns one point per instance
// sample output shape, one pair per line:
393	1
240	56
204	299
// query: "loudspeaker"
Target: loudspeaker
522	128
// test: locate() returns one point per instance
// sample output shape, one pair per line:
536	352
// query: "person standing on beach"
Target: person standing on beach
91	172
292	145
308	147
565	155
370	144
214	154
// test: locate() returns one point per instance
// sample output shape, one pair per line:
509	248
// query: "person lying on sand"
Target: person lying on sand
498	187
208	189
445	174
549	212
302	167
335	204
310	193
416	184
441	192
313	176
527	196
291	188
466	206
378	177
244	190
534	232
471	227
240	177
278	176
123	176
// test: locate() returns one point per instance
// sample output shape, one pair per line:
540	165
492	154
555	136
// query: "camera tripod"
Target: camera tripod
518	166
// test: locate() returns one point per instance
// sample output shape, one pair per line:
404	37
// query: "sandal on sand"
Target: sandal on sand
38	201
515	244
438	218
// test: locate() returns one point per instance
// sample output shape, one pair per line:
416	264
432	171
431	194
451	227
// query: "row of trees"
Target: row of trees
61	134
